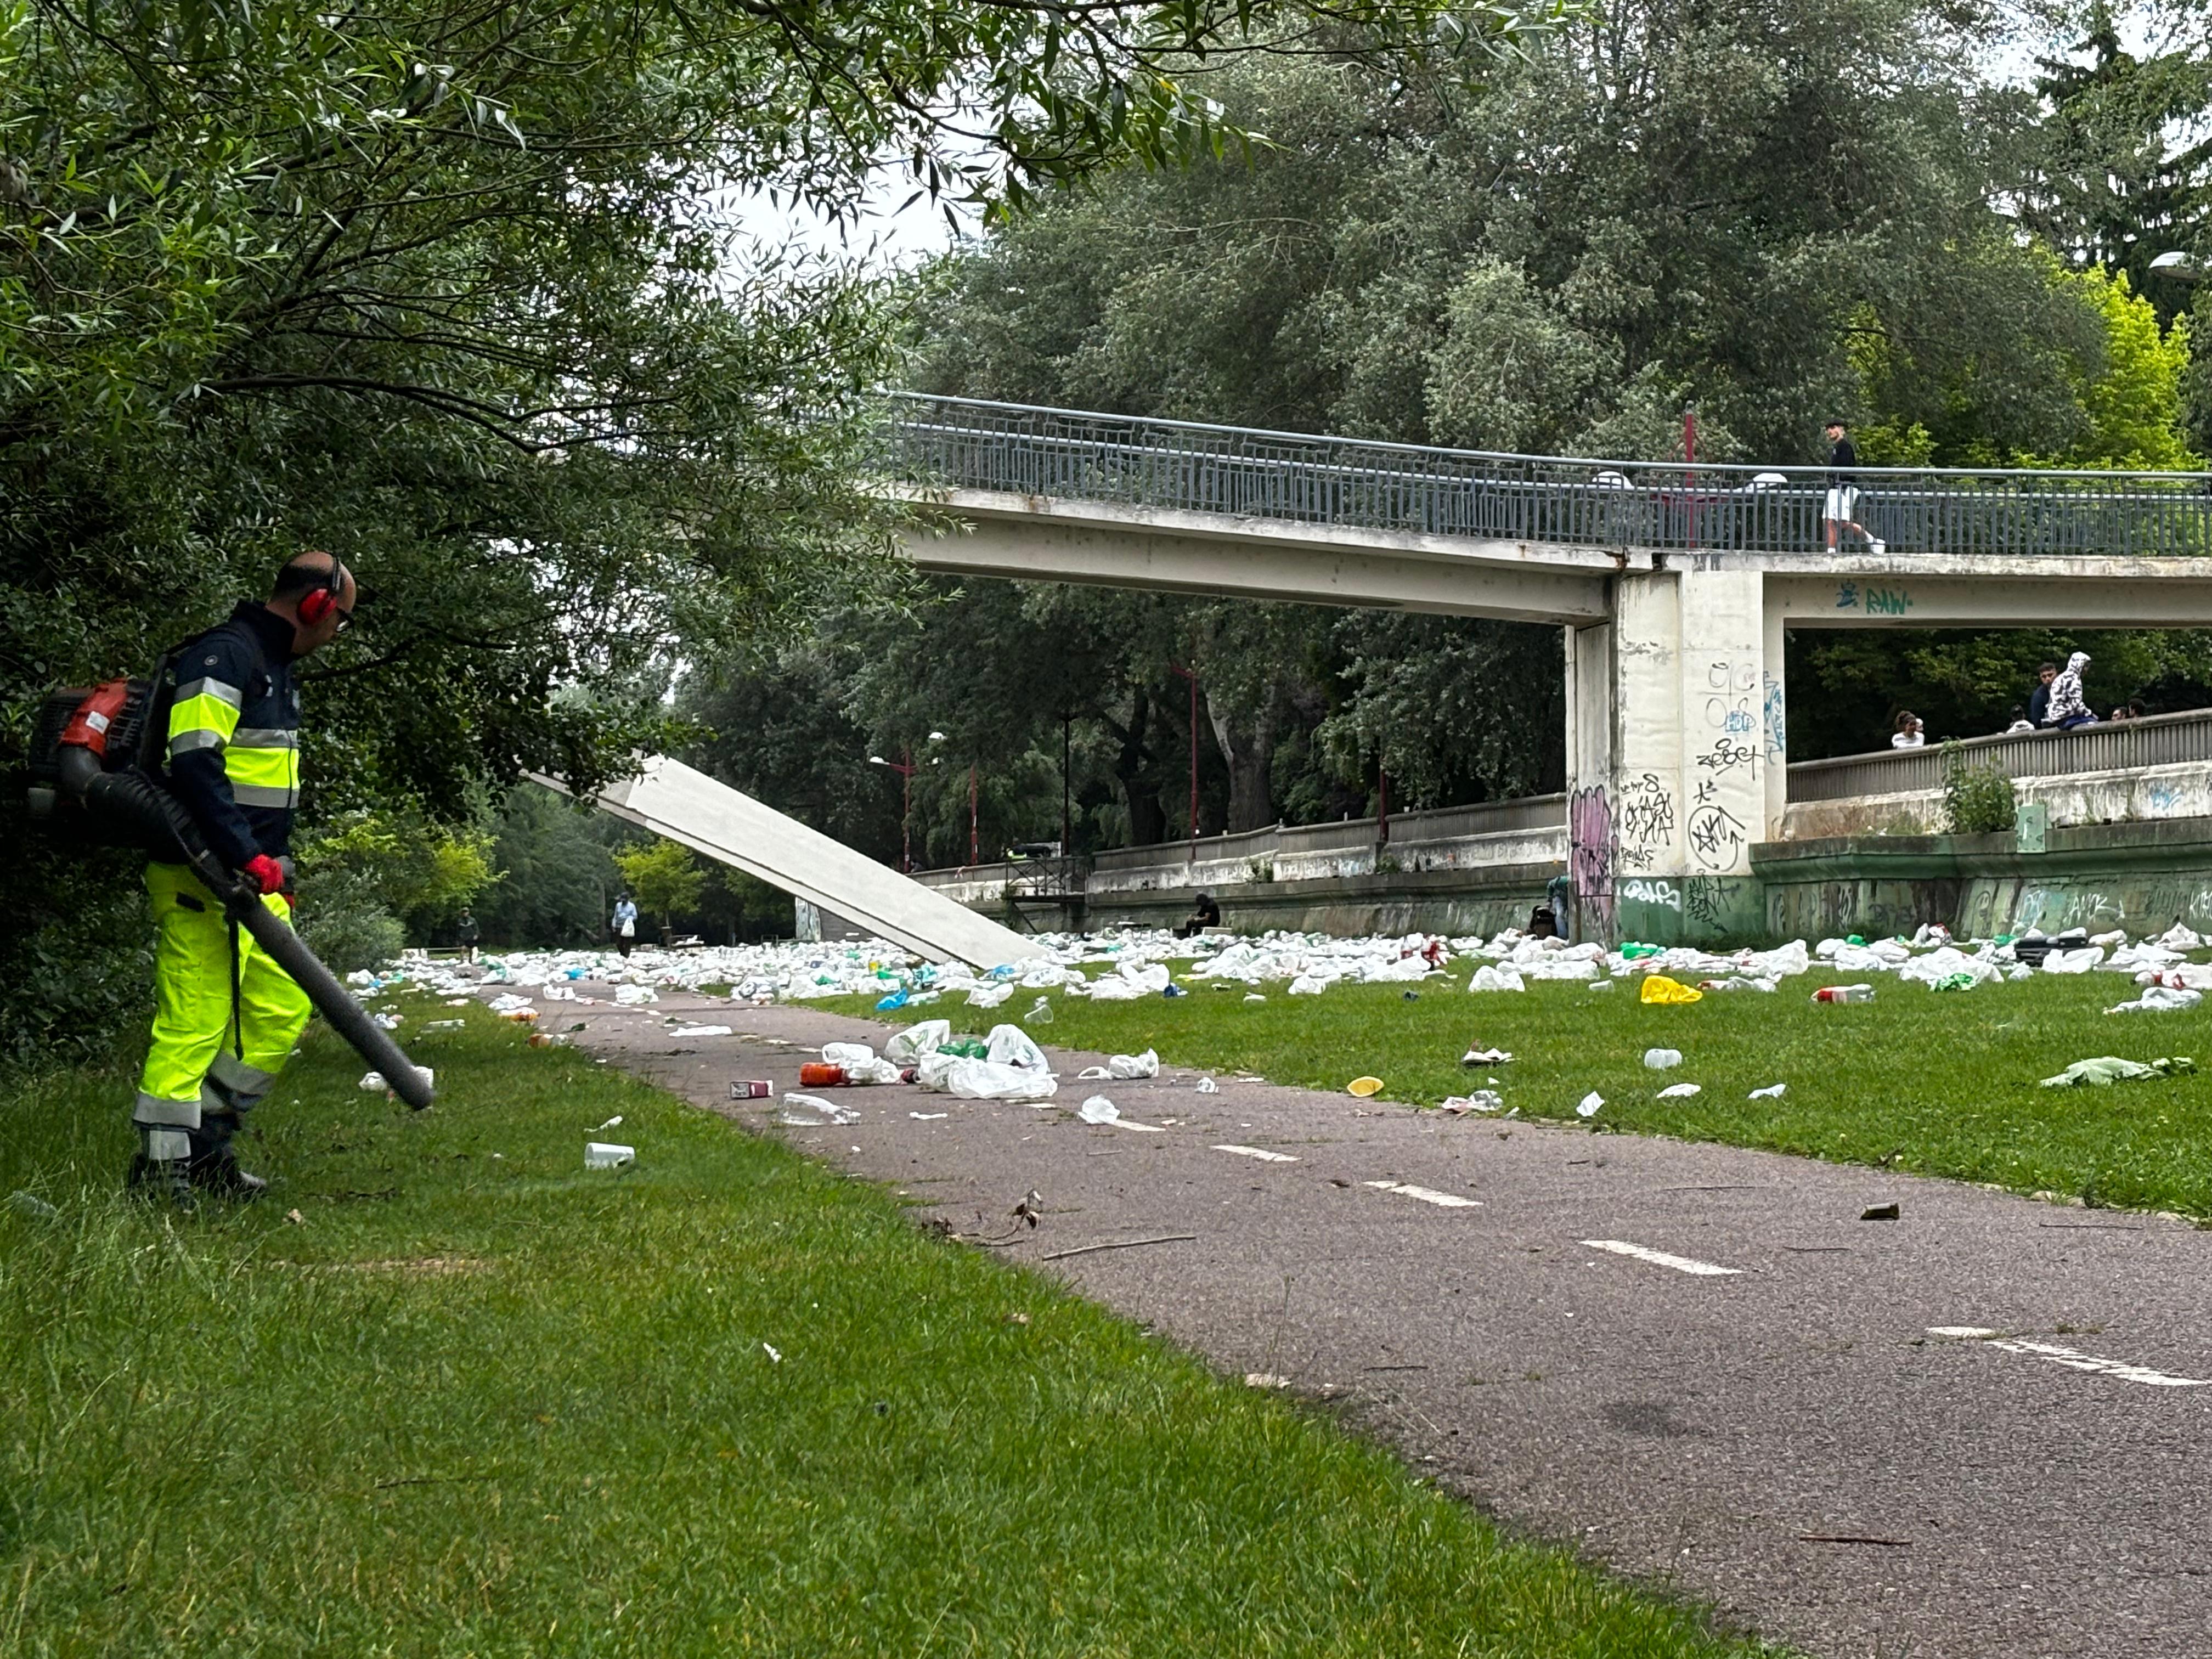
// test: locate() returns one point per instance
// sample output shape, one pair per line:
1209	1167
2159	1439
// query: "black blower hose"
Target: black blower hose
134	798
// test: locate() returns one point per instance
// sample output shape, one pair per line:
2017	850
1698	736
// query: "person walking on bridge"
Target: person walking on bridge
1841	509
225	1015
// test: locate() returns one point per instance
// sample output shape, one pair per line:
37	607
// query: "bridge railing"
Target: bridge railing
965	443
2108	746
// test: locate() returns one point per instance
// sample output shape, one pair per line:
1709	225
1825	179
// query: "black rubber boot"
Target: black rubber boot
214	1168
163	1180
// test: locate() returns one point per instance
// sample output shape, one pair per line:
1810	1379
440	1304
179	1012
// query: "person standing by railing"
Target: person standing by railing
1910	734
2069	707
1841	509
2038	701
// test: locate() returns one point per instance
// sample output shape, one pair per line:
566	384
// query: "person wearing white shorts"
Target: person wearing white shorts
1841	509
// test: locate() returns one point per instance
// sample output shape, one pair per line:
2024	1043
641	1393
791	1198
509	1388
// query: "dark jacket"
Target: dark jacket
234	734
2039	706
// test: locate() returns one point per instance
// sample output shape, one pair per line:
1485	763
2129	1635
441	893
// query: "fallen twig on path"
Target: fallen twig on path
1124	1244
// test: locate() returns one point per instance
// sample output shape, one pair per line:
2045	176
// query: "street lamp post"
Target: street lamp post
906	766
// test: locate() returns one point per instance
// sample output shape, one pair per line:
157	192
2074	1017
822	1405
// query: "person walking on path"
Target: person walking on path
1841	509
467	933
625	925
225	1015
2038	701
1909	734
2069	707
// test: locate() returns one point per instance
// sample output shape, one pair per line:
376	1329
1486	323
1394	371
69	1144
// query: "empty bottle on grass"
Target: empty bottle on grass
1844	994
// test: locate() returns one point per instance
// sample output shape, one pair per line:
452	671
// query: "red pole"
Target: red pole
972	843
1193	766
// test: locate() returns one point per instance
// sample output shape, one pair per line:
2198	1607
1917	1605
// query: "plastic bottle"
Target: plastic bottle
813	1074
1844	994
1662	1059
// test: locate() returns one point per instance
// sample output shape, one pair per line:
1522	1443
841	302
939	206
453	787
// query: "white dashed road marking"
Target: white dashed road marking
2072	1358
1259	1152
1680	1264
1428	1195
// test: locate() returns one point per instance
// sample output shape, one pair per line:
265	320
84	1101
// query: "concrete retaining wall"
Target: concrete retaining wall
2146	794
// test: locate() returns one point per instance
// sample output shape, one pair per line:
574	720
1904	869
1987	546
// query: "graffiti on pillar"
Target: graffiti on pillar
1589	861
1717	840
1663	893
1704	899
1643	823
1728	753
1777	727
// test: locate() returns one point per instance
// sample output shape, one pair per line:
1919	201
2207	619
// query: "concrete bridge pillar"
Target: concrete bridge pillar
1676	756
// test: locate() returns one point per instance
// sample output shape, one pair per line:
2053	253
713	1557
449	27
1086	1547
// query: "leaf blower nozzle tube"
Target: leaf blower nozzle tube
135	798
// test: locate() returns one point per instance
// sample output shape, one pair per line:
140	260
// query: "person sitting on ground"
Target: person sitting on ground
2069	707
2038	701
1909	734
2020	722
1204	914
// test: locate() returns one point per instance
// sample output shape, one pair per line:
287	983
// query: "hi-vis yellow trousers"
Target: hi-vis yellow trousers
199	1060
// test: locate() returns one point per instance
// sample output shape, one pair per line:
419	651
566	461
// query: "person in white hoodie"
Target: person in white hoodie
2069	707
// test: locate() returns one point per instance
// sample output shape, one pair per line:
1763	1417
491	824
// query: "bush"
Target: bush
351	931
1977	800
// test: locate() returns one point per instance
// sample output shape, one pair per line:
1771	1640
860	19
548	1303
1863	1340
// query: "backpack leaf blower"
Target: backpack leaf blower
96	757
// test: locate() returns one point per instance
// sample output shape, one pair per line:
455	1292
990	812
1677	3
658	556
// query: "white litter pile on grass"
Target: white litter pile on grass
1126	966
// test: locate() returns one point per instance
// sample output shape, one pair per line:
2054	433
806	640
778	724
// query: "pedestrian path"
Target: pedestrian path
1977	1430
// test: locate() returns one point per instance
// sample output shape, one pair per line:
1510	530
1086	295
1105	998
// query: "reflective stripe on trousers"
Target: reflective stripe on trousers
192	1003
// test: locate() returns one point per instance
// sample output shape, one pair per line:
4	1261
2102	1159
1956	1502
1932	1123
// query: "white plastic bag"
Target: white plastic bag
1500	978
1129	1067
847	1054
909	1045
1010	1045
980	1079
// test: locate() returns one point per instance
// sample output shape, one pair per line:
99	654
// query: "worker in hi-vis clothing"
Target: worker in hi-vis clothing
225	1015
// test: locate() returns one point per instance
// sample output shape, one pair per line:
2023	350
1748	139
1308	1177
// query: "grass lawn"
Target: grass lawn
1938	1083
478	1401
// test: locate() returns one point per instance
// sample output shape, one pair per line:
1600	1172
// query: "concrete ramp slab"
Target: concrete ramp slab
729	826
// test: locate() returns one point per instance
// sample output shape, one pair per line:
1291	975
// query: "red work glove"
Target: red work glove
265	871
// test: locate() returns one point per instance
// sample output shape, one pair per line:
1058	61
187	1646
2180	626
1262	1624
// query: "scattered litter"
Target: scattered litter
813	1112
299	1220
990	996
1658	987
774	1359
614	1122
445	1025
1259	1152
32	1205
1844	994
1099	1110
2158	998
2108	1069
700	1031
508	1003
1253	996
386	1022
1484	1057
1206	1086
927	1117
1264	1380
907	1047
607	1155
1662	1059
1678	1092
1364	1086
1591	1104
1122	1068
1482	1100
1879	1213
634	996
1040	1012
1600	985
751	1088
1773	1092
1502	977
373	1081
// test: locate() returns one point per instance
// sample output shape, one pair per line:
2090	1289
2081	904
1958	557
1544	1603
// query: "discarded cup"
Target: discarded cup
607	1155
1040	1012
1364	1086
1662	1059
1844	994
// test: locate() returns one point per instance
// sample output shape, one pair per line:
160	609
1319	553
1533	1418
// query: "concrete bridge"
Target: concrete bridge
1673	586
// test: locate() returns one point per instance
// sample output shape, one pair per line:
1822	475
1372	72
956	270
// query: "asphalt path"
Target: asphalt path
1806	1440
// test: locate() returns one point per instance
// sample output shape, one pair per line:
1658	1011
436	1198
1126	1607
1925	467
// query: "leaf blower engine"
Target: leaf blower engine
96	777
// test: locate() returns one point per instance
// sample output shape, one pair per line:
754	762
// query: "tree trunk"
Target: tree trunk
1250	755
1148	823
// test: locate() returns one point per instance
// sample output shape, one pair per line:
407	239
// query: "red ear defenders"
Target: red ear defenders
316	602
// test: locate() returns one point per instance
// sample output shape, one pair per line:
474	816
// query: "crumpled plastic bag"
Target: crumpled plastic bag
908	1046
847	1054
2181	938
1947	963
1113	989
1123	1068
1562	967
982	1080
1482	1100
1010	1045
2159	1000
1500	978
1306	985
990	996
1658	987
632	996
2108	1069
1678	1092
2074	961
